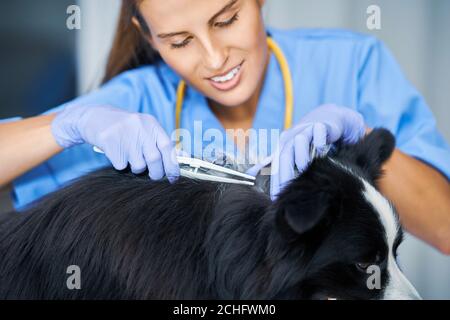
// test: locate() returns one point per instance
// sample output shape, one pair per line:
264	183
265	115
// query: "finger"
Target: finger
254	171
320	137
334	132
275	174
291	133
287	165
118	159
282	164
153	160
354	129
137	163
171	167
302	143
168	154
166	163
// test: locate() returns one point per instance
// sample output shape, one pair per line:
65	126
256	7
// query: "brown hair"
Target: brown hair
130	48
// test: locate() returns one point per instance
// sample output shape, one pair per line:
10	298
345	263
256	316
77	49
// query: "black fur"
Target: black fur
134	238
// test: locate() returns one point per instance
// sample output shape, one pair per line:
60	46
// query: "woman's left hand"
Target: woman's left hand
321	127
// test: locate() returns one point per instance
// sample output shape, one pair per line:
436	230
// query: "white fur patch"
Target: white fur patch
385	212
398	286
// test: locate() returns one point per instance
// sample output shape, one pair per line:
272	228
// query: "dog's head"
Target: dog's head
340	232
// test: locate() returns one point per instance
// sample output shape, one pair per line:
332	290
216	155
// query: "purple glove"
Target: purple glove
124	137
321	127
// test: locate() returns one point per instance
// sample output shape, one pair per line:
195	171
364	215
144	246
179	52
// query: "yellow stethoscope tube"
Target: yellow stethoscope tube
288	91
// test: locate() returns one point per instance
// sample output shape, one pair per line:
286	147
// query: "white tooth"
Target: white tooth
227	77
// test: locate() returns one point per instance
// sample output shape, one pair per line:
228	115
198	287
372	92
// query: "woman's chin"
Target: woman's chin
231	99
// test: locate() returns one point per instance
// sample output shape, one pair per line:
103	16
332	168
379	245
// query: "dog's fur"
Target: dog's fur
134	238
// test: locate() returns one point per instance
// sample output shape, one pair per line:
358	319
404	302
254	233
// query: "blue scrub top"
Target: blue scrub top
327	66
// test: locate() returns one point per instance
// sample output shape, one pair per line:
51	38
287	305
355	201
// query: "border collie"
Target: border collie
133	238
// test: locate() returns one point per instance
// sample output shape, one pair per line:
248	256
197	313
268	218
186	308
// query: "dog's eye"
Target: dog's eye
362	266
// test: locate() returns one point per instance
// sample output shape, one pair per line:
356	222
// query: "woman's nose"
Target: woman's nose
215	56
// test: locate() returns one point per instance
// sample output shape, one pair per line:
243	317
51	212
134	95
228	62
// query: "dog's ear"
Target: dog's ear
302	211
370	153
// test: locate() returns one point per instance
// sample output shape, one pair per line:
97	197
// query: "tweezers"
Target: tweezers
203	170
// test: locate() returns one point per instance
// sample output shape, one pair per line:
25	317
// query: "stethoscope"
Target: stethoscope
192	165
288	91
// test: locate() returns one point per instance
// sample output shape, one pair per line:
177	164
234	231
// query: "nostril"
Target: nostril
215	63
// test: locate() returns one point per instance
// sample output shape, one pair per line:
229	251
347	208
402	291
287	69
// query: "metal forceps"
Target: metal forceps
203	170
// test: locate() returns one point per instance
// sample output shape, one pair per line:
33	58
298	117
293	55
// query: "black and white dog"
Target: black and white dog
133	238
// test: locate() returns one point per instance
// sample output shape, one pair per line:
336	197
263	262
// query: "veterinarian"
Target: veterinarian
175	63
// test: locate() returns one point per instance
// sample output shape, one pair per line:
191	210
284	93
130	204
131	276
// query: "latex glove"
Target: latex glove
320	128
124	137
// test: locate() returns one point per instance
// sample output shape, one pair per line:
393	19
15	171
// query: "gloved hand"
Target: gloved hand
321	127
124	137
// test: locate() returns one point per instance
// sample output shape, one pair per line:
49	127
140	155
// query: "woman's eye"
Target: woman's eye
228	22
217	24
181	44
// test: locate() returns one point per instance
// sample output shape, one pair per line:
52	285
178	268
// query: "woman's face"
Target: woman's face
218	46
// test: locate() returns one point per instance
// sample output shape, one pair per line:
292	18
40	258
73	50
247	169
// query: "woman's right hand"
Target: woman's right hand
125	137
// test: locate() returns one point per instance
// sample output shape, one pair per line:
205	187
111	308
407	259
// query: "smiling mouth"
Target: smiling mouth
228	76
228	80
